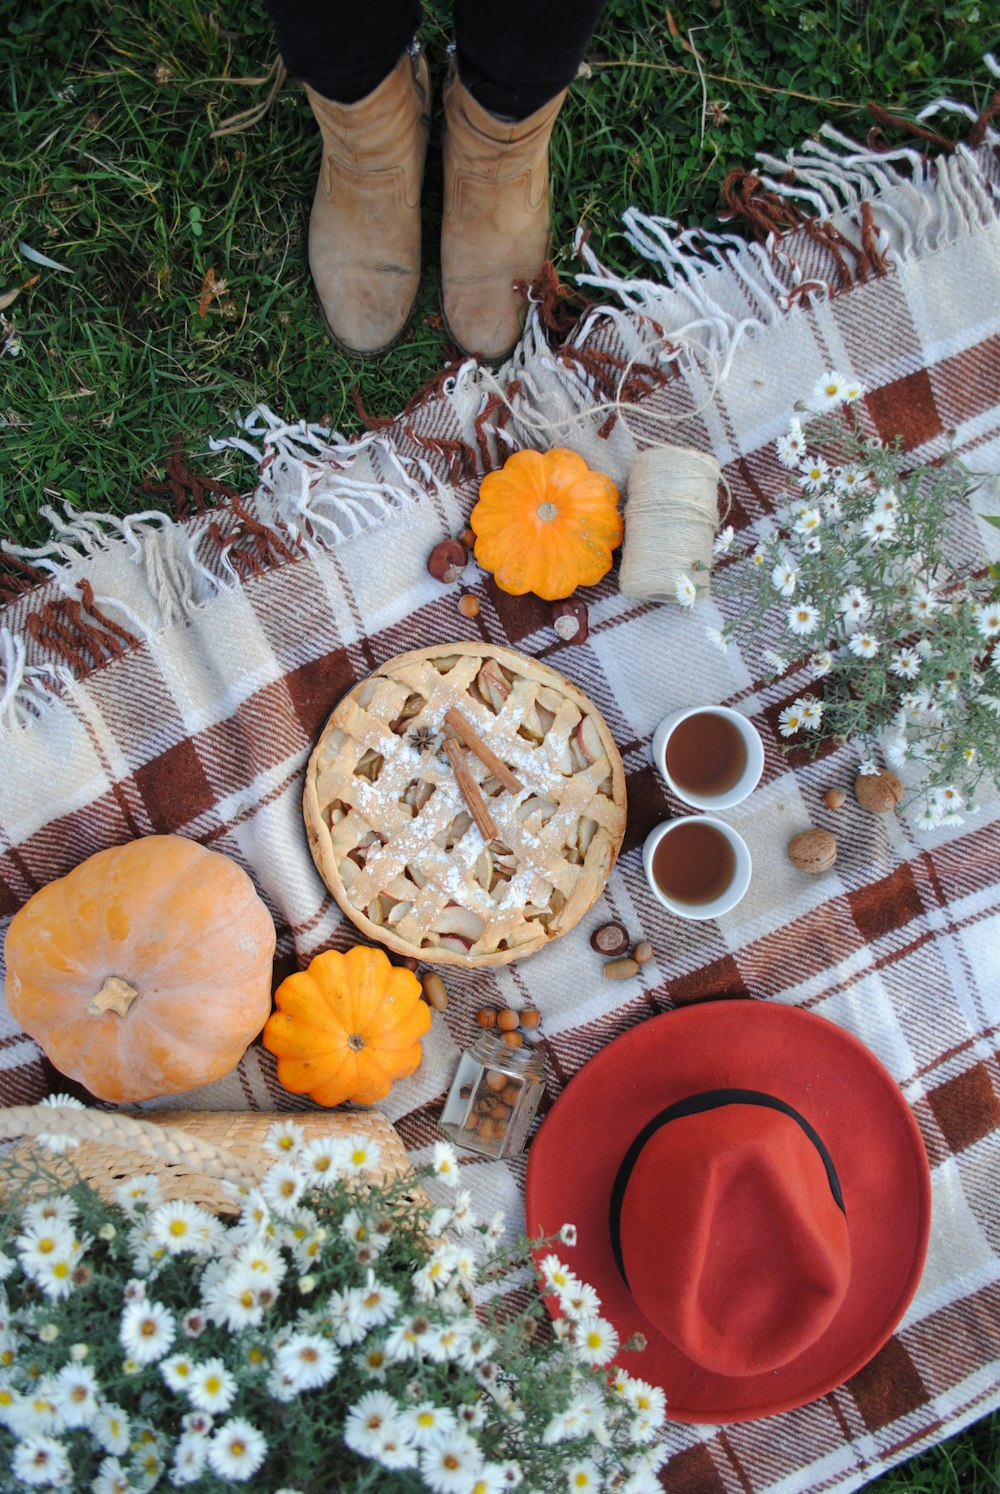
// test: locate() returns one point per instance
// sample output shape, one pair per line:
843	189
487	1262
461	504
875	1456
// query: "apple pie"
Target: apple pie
389	821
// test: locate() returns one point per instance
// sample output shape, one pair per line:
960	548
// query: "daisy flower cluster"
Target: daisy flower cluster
869	586
338	1331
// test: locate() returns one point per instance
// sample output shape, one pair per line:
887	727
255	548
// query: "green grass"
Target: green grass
107	165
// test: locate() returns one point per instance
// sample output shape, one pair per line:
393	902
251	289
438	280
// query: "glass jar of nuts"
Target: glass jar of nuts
494	1097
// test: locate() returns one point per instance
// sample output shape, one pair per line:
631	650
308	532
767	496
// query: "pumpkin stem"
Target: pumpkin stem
116	995
356	1041
547	512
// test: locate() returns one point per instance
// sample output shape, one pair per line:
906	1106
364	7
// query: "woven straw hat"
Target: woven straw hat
751	1193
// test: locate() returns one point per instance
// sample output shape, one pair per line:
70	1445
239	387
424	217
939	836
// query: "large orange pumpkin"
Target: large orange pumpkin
546	523
347	1027
145	971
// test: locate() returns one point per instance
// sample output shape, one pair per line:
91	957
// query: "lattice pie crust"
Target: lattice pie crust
391	833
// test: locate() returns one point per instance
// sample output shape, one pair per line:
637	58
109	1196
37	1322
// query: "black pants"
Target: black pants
512	55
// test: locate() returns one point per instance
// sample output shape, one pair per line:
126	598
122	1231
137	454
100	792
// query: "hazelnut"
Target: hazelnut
513	1039
620	969
434	993
468	604
530	1016
467	538
878	792
813	851
609	939
834	798
447	560
643	952
570	621
512	1093
486	1017
507	1020
496	1082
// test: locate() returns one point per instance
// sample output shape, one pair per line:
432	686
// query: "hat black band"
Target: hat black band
708	1099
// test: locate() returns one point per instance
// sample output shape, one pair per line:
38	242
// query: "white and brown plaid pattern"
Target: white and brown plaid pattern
177	677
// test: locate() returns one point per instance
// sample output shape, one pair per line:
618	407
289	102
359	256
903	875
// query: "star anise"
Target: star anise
423	738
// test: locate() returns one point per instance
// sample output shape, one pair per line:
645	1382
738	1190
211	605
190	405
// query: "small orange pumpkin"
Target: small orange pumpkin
145	971
546	523
347	1027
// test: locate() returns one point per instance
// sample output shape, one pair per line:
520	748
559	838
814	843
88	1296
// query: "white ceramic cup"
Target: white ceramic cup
752	769
726	900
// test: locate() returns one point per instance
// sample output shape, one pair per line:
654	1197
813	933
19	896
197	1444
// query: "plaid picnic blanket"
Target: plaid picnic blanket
172	675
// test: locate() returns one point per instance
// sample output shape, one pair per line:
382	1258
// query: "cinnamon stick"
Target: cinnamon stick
470	790
486	755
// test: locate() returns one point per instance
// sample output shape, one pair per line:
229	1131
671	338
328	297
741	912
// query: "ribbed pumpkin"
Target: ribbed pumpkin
145	971
546	523
347	1027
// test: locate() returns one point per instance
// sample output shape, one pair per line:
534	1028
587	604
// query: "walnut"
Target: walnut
813	851
878	792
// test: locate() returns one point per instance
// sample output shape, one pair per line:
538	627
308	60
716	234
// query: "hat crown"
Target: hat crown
733	1237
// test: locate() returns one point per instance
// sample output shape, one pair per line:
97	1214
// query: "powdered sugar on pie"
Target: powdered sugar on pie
392	835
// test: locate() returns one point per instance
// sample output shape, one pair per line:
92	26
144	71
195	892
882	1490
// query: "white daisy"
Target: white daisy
41	1461
56	1143
829	392
427	1423
567	1235
367	1418
580	1302
211	1387
723	540
791	446
863	644
373	1362
790	721
648	1400
803	619
347	1317
822	663
776	662
57	1210
555	1275
143	1192
811	711
493	1478
854	606
450	1466
112	1478
263	1260
177	1371
784	578
808	521
717	638
929	817
361	1154
583	1477
923	601
813	545
444	1162
906	663
236	1450
179	1226
759	557
146	1331
282	1187
868	767
886	501
111	1429
75	1393
307	1360
392	1448
987	616
190	1458
879	527
463	1220
284	1139
595	1341
447	1342
948	800
320	1161
685	591
44	1241
406	1340
814	474
575	1421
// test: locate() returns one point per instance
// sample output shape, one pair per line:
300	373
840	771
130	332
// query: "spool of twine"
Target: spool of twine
670	521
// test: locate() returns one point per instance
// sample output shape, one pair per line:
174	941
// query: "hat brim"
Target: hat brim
842	1090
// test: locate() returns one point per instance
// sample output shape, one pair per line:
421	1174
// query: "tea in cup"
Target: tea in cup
696	866
711	756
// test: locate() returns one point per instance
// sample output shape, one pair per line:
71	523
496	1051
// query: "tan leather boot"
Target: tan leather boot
495	228
364	230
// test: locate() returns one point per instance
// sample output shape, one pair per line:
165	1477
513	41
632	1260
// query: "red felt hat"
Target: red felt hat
751	1193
